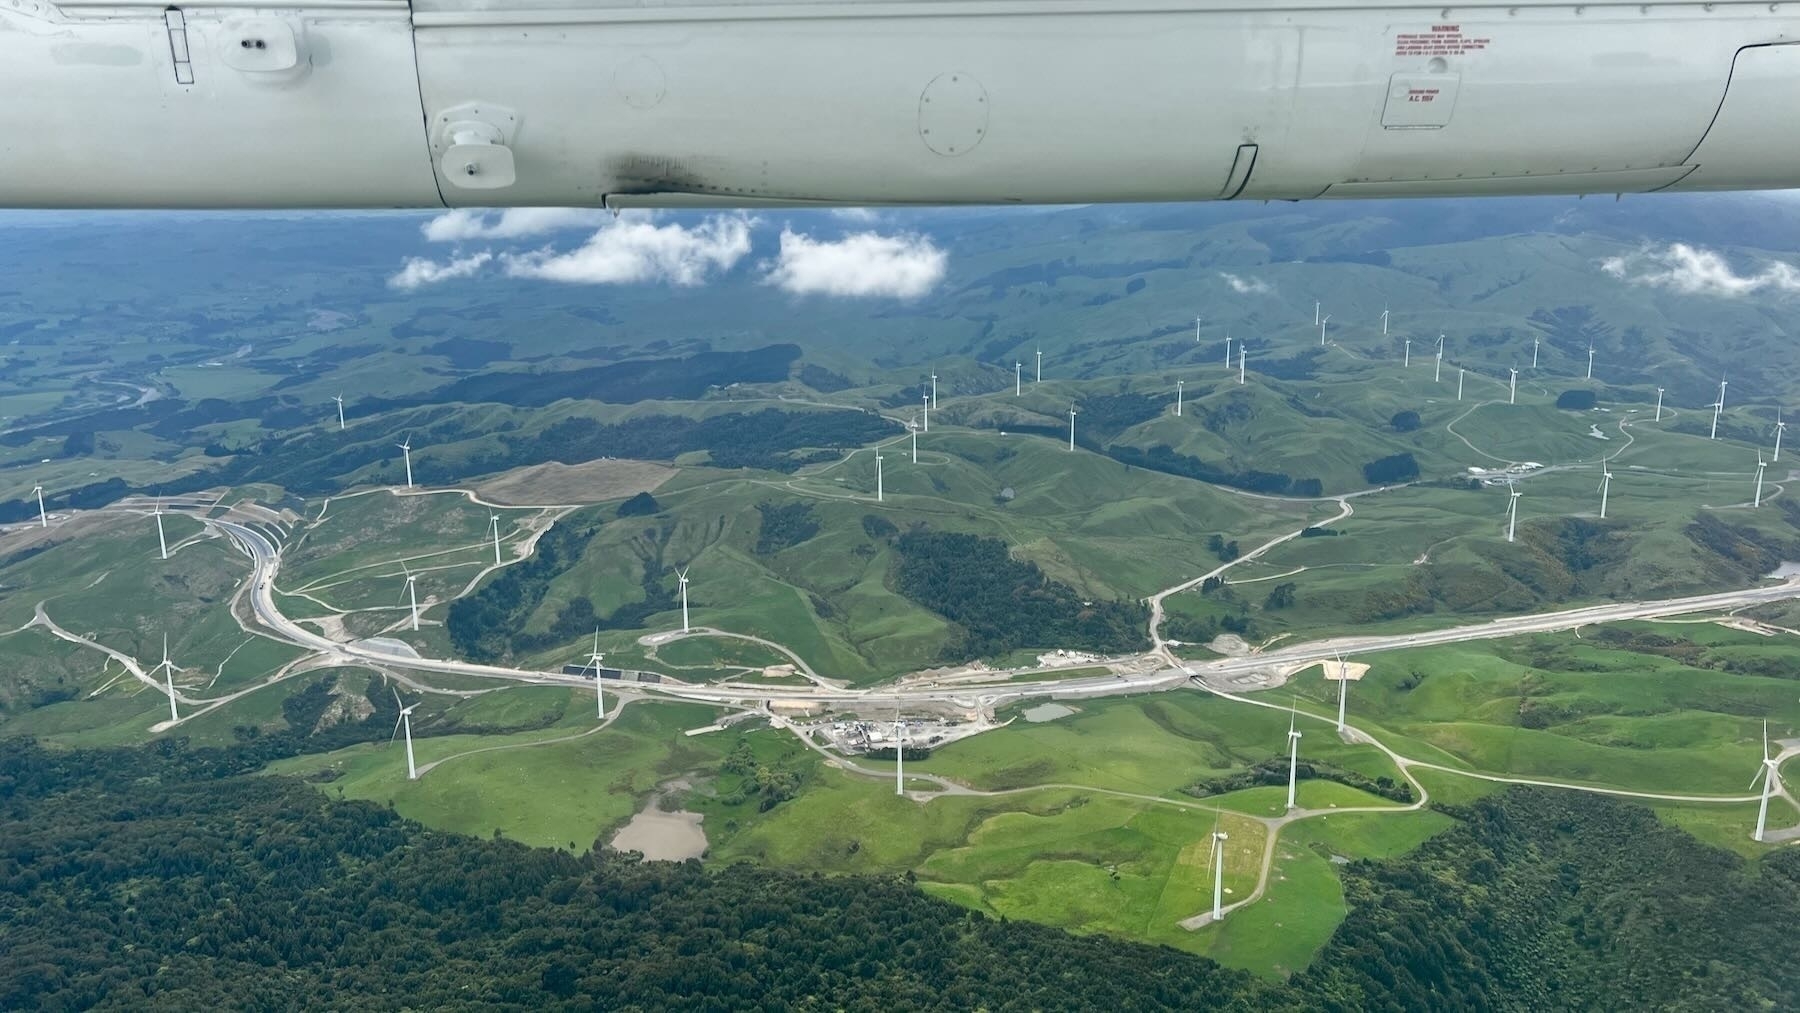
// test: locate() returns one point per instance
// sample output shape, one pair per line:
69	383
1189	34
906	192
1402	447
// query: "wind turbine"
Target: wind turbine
1384	321
899	754
926	398
1718	407
160	538
594	660
1534	350
1780	427
1196	330
1071	427
43	518
406	450
1293	755
1217	853
1315	314
1038	377
1322	322
1459	382
168	668
1605	486
1343	688
1218	856
1240	364
1178	385
1590	372
1227	349
340	403
412	593
934	390
1406	358
1760	465
1018	378
405	722
1512	514
1437	371
1512	389
879	497
682	576
913	428
1659	393
1770	776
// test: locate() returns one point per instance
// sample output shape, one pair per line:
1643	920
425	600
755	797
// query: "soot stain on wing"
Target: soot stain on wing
637	173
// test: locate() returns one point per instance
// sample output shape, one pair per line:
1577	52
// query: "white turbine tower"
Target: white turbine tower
1459	382
1178	385
1718	407
494	522
1659	393
160	538
899	755
594	660
1071	427
1196	330
1512	514
1240	364
1534	351
682	576
879	496
1384	321
1437	371
168	669
1227	349
1512	389
934	390
1018	378
1316	317
913	428
412	594
1590	372
1760	465
1343	688
405	723
43	518
1780	427
1770	776
1218	857
926	399
340	403
1406	357
1293	755
1325	320
406	451
1605	487
1038	377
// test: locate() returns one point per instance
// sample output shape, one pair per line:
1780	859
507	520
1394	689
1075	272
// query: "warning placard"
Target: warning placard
1441	40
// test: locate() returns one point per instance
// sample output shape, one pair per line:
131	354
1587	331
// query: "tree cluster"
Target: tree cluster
1001	603
489	623
1391	469
784	525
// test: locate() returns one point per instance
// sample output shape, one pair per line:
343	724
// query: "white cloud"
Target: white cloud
636	249
1246	286
860	264
864	215
512	223
1697	271
417	271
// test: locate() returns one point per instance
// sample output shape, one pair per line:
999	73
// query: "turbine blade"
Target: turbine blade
396	733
